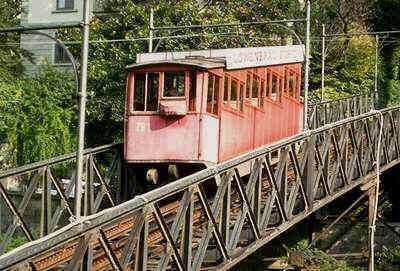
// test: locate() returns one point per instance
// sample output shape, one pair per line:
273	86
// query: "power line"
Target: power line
146	38
40	27
364	33
177	27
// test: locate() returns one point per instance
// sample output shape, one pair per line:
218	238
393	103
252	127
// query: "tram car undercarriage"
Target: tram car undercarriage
189	110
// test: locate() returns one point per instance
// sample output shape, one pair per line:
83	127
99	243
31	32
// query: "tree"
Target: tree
387	18
10	55
37	116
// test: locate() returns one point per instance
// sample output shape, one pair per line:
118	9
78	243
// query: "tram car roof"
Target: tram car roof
230	59
201	63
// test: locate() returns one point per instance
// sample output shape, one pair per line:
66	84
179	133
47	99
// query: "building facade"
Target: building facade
42	50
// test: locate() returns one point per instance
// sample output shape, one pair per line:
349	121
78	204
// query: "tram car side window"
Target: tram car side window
275	88
255	86
234	94
262	93
248	84
226	89
213	90
192	82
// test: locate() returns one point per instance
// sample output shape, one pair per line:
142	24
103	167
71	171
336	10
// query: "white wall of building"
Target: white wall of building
45	11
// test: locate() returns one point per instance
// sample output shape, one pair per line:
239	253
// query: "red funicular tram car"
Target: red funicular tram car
187	110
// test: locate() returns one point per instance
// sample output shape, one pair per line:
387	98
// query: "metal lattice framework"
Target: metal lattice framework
50	184
326	112
219	216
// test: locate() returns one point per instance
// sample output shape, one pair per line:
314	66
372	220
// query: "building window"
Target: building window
60	55
65	4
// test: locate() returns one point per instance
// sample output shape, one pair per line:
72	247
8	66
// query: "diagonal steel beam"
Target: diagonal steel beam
211	218
21	208
99	198
76	262
274	196
176	226
215	210
167	236
237	229
133	238
104	184
10	205
246	201
109	251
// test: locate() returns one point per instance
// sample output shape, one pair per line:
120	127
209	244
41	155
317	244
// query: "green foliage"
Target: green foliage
15	242
329	94
10	55
387	18
10	12
389	258
390	76
354	71
318	258
37	115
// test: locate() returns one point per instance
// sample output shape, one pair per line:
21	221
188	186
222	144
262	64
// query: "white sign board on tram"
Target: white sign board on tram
237	58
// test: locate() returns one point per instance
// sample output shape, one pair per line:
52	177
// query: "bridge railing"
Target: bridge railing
219	216
323	113
38	199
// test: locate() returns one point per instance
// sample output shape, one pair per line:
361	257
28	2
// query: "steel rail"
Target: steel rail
55	160
104	218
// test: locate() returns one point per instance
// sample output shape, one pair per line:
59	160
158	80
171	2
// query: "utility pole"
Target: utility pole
376	95
371	225
82	109
307	68
151	34
323	64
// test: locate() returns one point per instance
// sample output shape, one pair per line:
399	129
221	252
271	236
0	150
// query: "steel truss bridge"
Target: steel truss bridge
210	220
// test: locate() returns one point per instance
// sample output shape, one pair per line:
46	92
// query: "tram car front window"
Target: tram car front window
174	84
146	91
